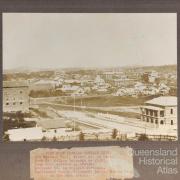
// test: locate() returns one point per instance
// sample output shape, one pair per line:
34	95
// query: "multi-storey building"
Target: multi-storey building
15	96
160	111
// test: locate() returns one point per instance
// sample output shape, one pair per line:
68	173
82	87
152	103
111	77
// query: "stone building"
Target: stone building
160	111
15	96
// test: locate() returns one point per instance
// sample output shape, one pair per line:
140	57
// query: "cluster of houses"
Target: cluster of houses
115	83
143	89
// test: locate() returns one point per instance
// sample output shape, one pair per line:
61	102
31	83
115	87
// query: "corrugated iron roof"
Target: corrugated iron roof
163	101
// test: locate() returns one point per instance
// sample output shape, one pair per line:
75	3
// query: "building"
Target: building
160	111
79	92
124	82
153	76
69	88
25	134
150	77
99	81
15	96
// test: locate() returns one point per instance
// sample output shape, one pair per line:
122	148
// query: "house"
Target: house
150	90
102	89
15	96
69	88
79	92
150	77
139	87
109	75
99	81
118	82
124	81
163	89
125	92
153	76
59	81
160	111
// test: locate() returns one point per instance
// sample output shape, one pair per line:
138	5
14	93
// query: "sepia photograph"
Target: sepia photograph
89	77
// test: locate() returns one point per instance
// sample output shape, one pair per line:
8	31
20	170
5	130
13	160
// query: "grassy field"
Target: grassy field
105	101
95	104
95	110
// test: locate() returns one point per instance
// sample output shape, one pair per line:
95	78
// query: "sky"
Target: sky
65	40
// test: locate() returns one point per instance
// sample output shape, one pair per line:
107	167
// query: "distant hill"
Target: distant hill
163	68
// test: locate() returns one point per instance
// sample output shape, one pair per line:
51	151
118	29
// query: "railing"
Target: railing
158	137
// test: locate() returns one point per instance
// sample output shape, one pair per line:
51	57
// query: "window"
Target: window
14	103
155	113
152	120
171	111
162	113
21	103
161	122
156	121
20	92
7	104
151	112
172	122
147	119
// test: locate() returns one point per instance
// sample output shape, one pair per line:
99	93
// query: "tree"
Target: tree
43	138
143	137
97	136
20	116
114	133
6	137
81	136
54	138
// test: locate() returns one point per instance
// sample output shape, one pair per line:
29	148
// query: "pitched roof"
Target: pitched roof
163	101
33	133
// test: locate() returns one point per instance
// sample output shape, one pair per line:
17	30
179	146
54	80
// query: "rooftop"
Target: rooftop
163	101
33	133
152	107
